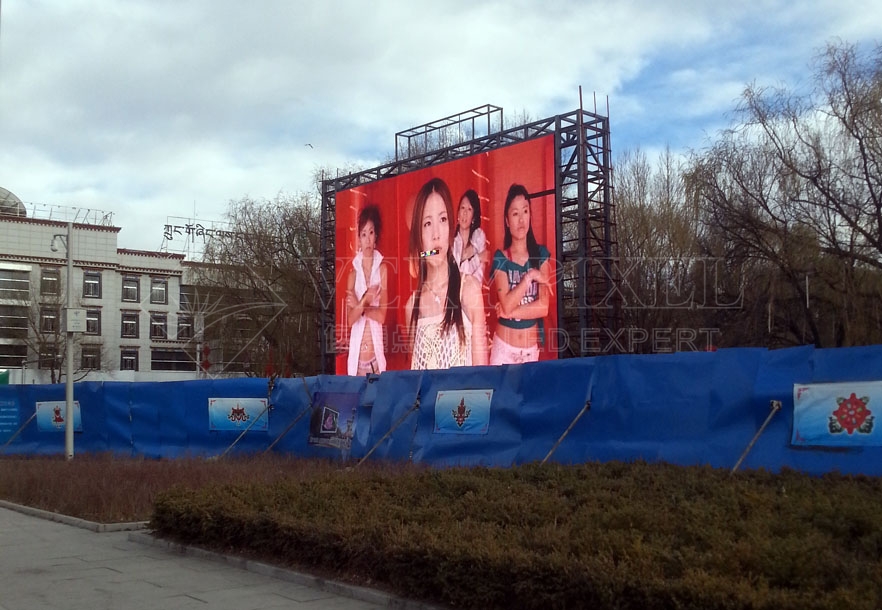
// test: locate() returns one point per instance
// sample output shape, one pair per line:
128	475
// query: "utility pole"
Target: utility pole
69	331
68	381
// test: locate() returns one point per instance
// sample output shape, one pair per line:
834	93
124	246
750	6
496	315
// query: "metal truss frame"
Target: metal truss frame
587	284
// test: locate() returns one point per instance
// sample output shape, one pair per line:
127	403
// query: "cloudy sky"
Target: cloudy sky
151	109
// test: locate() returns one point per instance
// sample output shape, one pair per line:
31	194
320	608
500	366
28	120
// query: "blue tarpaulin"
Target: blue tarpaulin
692	408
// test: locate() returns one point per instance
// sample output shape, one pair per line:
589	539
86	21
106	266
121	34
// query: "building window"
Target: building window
128	360
187	297
158	326
129	325
15	284
12	356
93	321
48	320
159	290
91	359
185	326
13	323
92	284
48	357
172	360
131	288
50	280
243	327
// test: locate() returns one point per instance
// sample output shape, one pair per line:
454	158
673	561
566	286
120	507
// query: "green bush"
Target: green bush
590	536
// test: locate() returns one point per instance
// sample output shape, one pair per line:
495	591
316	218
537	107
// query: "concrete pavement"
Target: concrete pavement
47	564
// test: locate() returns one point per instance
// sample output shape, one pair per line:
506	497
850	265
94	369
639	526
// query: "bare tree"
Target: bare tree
793	194
46	339
663	272
266	305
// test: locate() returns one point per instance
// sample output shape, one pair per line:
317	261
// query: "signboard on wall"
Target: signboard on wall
51	413
75	320
238	414
463	411
837	414
9	417
332	421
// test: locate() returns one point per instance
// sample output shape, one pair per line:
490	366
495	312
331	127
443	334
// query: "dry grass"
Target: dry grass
110	489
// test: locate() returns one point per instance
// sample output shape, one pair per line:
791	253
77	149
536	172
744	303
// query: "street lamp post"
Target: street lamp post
68	381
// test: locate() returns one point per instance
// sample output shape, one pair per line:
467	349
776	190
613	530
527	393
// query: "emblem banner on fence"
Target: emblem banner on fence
332	421
463	411
238	414
837	414
50	416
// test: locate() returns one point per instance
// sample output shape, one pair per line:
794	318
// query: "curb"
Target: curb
75	521
336	587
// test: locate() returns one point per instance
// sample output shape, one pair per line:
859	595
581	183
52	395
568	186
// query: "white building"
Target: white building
139	326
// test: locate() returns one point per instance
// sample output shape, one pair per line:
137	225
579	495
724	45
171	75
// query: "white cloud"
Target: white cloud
144	108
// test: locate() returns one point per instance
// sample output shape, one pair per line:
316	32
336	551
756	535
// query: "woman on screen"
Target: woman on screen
445	313
520	274
367	298
470	243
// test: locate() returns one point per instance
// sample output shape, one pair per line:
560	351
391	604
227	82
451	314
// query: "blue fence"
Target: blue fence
684	408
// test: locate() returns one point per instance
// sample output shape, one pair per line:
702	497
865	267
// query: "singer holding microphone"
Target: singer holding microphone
445	314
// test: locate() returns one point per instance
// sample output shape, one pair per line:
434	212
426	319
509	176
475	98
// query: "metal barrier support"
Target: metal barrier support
774	406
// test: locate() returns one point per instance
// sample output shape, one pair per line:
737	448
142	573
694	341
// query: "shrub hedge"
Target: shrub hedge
615	535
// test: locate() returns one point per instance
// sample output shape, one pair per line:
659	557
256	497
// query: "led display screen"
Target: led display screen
420	286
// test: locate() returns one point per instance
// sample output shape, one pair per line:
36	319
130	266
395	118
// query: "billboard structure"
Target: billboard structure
477	245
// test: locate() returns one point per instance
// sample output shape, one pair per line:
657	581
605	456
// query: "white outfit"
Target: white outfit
473	265
374	327
505	353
